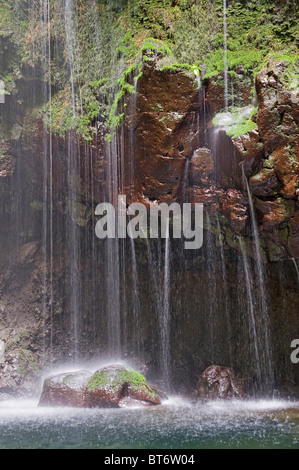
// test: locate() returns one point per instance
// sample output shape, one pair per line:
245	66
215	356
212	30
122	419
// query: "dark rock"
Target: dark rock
220	382
264	183
294	236
26	253
7	166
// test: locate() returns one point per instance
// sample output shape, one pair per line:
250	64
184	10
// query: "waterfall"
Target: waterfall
73	170
112	277
210	308
296	268
225	287
159	284
225	56
254	334
70	30
164	319
47	237
135	300
262	300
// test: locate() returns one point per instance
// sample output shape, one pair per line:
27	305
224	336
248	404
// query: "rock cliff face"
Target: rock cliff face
169	150
165	149
178	155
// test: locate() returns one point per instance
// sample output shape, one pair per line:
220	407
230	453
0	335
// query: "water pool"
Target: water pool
177	424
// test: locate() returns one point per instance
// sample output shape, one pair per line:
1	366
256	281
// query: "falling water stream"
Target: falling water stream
262	301
253	332
225	55
165	314
296	268
47	179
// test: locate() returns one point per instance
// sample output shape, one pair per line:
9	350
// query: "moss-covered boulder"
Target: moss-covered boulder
114	386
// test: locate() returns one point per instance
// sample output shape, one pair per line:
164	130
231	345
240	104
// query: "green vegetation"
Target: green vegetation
114	378
236	121
88	59
290	63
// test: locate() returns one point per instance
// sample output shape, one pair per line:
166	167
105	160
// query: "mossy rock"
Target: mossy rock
114	386
19	372
110	385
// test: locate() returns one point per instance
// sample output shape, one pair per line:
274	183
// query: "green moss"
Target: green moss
155	47
115	378
293	158
115	118
36	205
290	63
27	363
109	37
193	29
158	107
242	128
175	67
264	26
236	121
247	61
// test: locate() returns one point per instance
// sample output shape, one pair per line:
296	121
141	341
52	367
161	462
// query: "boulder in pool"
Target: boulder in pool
114	386
221	382
65	389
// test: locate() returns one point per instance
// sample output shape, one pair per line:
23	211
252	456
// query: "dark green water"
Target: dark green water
176	424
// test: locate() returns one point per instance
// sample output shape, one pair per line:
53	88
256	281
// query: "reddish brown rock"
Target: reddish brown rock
252	149
275	214
227	159
215	91
209	196
264	183
65	389
235	207
220	382
214	96
158	134
283	160
201	167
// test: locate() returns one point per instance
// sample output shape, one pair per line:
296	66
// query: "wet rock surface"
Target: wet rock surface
220	382
114	386
65	389
19	373
168	138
